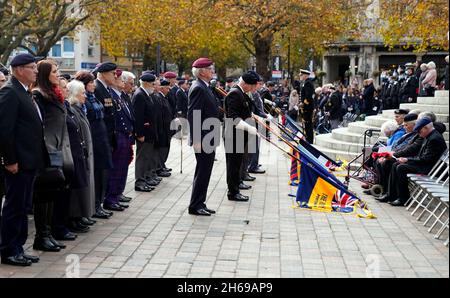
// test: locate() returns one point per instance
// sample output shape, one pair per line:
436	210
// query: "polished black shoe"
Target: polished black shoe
101	215
167	170
243	186
145	188
18	260
210	210
397	203
201	212
56	243
45	244
238	198
249	178
383	199
67	237
257	171
367	192
33	259
163	174
77	227
124	199
158	179
123	205
86	221
109	213
152	183
113	207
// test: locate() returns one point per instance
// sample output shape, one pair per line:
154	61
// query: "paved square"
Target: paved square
265	237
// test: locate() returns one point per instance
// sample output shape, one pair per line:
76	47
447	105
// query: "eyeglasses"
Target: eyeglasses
33	67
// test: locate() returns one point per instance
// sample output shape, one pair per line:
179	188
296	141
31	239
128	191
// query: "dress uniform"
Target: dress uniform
307	100
202	106
238	106
146	125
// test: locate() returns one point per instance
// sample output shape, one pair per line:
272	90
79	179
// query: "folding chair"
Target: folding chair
444	227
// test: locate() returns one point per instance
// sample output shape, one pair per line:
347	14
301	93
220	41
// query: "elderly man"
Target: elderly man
238	108
164	132
22	155
432	148
307	104
203	106
2	79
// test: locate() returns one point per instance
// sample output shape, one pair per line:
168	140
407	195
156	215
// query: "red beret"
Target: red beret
170	75
118	72
202	63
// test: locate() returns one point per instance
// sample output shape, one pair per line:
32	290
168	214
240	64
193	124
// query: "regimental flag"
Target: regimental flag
295	169
319	190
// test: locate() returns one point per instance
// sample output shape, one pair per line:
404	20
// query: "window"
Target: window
56	50
91	49
68	45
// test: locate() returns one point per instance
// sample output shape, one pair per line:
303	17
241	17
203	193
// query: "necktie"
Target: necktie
35	104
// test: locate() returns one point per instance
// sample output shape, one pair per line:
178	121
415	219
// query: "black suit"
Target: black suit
432	148
237	107
172	97
182	103
110	107
307	98
202	103
368	97
22	142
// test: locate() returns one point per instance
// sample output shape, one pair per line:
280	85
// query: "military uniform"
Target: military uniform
307	99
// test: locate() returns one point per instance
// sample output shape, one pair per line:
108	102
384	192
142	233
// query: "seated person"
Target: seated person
433	146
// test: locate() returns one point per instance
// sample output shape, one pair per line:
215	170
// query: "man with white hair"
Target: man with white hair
202	106
2	79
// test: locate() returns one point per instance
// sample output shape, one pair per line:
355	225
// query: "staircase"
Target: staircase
346	143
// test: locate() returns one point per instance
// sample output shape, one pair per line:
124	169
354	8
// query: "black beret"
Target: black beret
401	112
4	71
251	77
106	66
165	83
411	117
270	84
181	82
24	59
147	77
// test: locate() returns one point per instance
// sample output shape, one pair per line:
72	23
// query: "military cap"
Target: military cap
24	59
401	112
202	63
106	66
170	75
147	77
422	123
164	83
118	72
410	117
304	71
251	77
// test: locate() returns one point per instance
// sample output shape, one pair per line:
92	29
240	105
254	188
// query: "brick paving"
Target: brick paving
265	237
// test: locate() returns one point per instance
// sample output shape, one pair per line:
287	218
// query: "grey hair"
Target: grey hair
74	87
195	72
417	112
431	65
126	75
389	126
423	66
430	115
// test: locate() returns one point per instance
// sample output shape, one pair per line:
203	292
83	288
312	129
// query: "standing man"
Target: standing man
238	107
182	106
22	155
409	88
307	104
202	106
146	128
368	98
164	132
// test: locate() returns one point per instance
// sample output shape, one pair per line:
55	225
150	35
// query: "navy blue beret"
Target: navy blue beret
165	83
251	77
147	77
24	59
106	66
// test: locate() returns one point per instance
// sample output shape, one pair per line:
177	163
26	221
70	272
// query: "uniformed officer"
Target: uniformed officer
238	106
410	86
146	128
307	104
164	132
202	106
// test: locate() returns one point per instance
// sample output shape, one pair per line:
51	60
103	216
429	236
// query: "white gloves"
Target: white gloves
269	117
296	108
242	125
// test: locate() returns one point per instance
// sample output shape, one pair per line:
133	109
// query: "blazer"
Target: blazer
110	107
182	103
432	148
21	131
145	113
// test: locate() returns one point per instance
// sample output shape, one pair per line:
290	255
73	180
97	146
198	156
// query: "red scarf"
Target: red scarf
57	91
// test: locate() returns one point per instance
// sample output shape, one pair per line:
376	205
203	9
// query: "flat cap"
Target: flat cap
24	59
106	66
422	123
251	77
202	63
147	77
170	75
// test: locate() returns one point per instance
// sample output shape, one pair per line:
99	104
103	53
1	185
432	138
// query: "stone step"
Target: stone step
433	100
376	121
389	114
441	93
360	127
327	141
337	154
344	135
437	109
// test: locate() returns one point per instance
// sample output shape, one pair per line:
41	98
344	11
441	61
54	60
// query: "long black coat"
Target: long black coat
333	106
21	131
145	113
182	103
238	106
164	132
368	97
110	107
307	98
172	97
203	101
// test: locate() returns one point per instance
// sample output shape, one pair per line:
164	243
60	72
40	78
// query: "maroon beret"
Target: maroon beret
170	75
202	63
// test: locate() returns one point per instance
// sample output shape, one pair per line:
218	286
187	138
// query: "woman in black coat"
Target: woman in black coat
50	184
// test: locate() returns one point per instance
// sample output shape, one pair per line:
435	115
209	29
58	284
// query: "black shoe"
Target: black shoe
163	174
18	260
397	203
124	199
109	213
113	207
56	243
145	188
33	259
367	192
249	178
44	244
210	210
152	183
86	221
158	179
383	199
201	212
257	171
77	227
167	170
101	215
243	186
238	198
67	237
124	205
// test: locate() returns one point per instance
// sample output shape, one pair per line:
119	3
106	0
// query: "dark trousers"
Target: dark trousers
61	213
254	157
18	201
117	179
2	193
244	163
147	160
309	130
384	172
234	172
163	156
101	182
202	176
398	181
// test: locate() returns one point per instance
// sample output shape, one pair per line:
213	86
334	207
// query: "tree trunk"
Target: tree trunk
263	45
